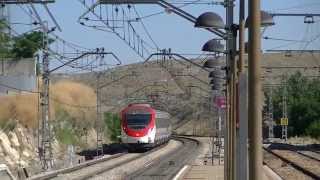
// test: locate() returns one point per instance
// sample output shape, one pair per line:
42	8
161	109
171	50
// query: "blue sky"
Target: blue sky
171	31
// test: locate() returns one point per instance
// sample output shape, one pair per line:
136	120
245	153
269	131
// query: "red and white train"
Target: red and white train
144	127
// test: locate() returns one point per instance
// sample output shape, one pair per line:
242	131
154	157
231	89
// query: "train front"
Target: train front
138	126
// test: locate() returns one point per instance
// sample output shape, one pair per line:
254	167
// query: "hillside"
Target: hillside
174	86
169	82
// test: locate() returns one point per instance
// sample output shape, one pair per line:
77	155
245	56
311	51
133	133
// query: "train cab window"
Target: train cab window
138	121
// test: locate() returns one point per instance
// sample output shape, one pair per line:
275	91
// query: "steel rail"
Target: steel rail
60	172
186	152
52	174
308	156
294	165
102	170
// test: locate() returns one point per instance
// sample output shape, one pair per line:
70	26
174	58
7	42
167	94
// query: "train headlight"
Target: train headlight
149	139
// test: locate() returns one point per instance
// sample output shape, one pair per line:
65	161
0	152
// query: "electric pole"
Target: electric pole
44	136
270	114
98	123
230	162
254	92
284	119
45	146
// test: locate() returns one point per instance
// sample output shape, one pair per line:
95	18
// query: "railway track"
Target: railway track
56	173
91	168
315	155
293	164
166	168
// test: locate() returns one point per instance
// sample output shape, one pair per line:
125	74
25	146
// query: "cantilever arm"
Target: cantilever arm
84	54
179	56
164	4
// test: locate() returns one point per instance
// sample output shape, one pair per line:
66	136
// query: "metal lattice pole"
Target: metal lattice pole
284	113
99	128
219	142
45	148
270	114
44	131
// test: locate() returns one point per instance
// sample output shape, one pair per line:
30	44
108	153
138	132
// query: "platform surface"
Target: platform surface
204	173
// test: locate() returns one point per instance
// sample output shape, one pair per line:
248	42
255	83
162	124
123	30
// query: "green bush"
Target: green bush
64	128
314	129
7	125
22	46
112	122
303	105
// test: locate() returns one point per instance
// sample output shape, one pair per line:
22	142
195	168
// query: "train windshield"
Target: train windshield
138	121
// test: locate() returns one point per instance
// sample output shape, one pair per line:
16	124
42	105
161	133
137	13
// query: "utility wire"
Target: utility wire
162	12
298	6
18	89
54	99
56	53
71	44
280	39
86	67
145	28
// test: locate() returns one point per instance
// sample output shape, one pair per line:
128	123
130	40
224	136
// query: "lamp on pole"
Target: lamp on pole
210	20
214	21
255	21
218	82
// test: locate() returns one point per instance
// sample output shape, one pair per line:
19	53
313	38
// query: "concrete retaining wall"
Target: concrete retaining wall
17	76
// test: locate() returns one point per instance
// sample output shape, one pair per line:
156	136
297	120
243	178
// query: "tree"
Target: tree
26	45
314	129
4	40
112	122
303	104
22	46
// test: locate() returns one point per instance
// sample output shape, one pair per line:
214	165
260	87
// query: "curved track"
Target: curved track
163	166
57	173
93	167
167	167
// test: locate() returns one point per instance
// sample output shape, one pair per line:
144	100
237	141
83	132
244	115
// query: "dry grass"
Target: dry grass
75	98
19	107
303	140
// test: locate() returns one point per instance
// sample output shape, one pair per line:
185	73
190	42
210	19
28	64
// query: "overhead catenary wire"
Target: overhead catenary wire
87	67
297	6
53	52
70	44
145	29
133	39
54	99
162	12
18	89
281	39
